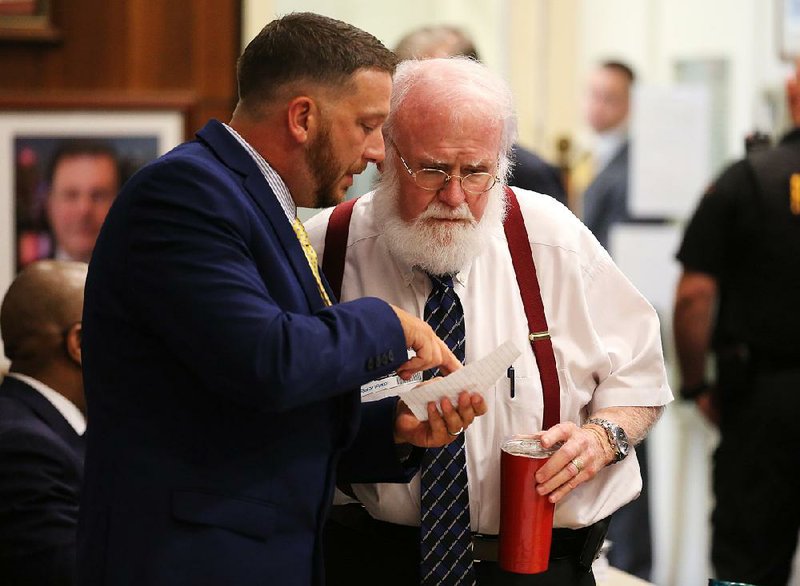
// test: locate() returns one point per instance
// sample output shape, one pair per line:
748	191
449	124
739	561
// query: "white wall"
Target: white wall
652	35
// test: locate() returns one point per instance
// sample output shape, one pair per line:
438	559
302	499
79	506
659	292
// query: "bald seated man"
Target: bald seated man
41	424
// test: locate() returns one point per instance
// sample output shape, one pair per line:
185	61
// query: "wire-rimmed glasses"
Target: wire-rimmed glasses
436	179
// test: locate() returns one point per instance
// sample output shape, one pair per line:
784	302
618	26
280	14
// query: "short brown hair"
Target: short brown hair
621	68
303	45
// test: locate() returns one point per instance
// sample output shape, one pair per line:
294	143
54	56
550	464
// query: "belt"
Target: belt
566	543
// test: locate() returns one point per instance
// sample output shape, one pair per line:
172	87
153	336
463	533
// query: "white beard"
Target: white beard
436	247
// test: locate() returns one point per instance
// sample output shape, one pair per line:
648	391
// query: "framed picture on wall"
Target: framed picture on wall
60	171
26	20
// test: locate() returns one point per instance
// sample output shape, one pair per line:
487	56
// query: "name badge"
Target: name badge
387	386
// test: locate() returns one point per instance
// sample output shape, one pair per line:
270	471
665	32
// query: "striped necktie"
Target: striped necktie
446	542
311	257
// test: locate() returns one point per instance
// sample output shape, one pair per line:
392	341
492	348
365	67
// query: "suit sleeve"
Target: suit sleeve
373	456
211	282
39	496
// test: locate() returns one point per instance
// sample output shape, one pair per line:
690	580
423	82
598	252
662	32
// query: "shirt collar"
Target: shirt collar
274	180
608	144
67	408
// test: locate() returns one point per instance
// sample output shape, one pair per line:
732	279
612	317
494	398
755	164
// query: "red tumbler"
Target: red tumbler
526	517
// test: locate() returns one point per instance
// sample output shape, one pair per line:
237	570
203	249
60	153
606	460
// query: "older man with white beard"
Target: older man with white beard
437	216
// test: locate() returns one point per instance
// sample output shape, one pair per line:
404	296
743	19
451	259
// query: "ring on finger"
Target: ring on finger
578	463
455	433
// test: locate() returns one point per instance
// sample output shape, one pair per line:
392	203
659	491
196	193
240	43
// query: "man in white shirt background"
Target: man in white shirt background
601	178
438	210
41	424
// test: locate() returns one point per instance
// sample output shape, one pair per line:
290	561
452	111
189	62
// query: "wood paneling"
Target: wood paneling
130	52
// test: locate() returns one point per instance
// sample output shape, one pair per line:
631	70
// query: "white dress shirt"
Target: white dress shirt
607	145
605	336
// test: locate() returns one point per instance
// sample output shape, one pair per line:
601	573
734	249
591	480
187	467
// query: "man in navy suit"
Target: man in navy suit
41	422
221	383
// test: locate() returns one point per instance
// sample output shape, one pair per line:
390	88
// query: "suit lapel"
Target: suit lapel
228	150
45	410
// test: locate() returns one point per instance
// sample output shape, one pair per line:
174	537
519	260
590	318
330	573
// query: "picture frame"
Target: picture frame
27	20
29	137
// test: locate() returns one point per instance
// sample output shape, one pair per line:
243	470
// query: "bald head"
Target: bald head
40	305
455	91
436	41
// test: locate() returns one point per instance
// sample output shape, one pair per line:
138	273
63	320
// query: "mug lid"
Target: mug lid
528	446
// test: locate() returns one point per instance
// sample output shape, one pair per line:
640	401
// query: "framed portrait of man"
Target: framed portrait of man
60	172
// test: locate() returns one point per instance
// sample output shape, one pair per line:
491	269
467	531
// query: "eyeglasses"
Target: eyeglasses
436	179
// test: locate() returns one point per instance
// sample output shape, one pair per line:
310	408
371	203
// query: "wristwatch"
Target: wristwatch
616	437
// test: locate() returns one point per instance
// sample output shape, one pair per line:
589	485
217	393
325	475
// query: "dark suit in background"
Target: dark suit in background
534	173
605	201
219	407
41	471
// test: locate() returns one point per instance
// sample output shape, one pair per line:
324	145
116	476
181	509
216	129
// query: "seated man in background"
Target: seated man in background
84	178
41	424
434	229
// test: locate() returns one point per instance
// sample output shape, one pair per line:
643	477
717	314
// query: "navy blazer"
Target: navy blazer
41	470
221	391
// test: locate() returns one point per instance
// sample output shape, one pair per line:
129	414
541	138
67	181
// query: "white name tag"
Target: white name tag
387	386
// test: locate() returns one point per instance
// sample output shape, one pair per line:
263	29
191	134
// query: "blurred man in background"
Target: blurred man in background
737	298
600	179
41	424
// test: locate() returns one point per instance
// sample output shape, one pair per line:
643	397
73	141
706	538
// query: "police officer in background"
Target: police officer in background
741	257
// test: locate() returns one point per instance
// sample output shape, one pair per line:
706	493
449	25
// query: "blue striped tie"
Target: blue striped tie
446	550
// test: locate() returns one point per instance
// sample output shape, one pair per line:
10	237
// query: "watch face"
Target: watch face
622	441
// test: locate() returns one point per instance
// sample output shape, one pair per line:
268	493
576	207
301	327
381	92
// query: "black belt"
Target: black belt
566	543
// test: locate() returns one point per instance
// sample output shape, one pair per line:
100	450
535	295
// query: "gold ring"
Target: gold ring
578	463
457	433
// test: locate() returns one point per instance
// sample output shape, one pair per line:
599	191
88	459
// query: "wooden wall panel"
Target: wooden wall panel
131	51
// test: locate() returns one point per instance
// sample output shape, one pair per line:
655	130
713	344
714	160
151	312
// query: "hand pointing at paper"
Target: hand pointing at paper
431	351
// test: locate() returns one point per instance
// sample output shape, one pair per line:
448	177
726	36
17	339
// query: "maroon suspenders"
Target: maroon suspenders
538	334
336	243
524	268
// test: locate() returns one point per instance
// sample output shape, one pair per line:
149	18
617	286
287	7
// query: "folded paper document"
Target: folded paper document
475	377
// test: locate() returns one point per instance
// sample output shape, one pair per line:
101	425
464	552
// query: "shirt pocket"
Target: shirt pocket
522	412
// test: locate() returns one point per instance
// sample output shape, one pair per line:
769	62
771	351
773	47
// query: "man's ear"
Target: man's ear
73	342
302	118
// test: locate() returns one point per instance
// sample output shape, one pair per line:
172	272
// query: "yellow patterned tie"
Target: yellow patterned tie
311	257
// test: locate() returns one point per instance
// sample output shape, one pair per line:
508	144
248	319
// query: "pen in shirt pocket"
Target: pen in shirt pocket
511	381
